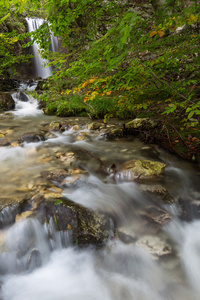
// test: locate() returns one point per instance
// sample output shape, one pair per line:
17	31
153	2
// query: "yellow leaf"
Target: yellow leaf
108	93
69	227
160	33
153	33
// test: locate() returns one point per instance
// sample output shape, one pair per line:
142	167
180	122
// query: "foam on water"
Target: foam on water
22	108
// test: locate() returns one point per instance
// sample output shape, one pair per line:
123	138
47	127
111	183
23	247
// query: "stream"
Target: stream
128	266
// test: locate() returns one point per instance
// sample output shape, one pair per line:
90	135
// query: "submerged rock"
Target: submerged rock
55	175
155	246
140	169
158	192
34	261
157	215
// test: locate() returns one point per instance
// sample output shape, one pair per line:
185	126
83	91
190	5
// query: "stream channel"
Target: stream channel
153	249
140	262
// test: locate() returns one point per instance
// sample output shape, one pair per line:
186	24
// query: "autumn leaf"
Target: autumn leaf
160	33
153	33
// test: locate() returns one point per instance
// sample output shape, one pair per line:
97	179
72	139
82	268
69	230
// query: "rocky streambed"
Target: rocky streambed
70	183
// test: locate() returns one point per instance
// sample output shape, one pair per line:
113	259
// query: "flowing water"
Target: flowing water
121	269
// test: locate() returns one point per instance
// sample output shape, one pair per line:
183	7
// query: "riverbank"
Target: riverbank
174	132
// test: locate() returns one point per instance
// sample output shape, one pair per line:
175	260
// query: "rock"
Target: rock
71	180
55	175
144	123
76	128
6	101
67	158
158	193
94	126
4	142
8	84
86	226
22	96
111	131
157	215
155	246
189	210
126	238
140	169
23	215
34	261
51	195
32	137
55	126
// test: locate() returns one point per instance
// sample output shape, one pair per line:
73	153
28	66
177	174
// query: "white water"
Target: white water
22	108
40	63
119	271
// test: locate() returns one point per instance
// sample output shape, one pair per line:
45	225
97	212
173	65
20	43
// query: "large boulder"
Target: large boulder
140	169
85	227
6	101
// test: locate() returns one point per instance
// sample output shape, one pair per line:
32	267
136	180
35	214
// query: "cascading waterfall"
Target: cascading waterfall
39	62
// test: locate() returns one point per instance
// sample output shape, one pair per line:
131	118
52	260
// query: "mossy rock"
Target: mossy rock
85	227
6	101
54	126
140	123
140	169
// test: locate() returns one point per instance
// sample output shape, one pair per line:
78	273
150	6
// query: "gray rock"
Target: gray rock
32	137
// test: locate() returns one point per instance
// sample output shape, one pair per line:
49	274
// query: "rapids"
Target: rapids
119	270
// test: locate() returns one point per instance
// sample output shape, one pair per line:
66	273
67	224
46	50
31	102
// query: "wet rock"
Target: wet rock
144	123
34	261
140	169
4	142
157	215
112	132
55	126
155	246
86	226
32	137
126	238
67	158
189	210
8	214
55	175
6	101
23	215
94	126
158	193
22	96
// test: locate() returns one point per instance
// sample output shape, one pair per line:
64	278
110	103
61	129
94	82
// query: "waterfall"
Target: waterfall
39	62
